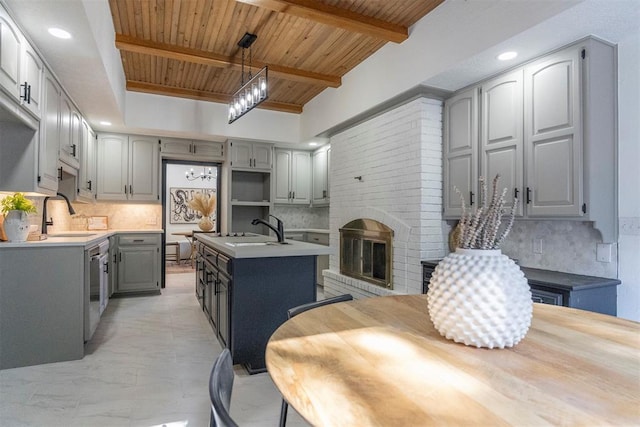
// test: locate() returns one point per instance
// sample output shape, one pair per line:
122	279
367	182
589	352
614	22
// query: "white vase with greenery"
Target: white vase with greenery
478	296
15	209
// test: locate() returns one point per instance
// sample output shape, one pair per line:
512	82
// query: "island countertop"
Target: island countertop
253	246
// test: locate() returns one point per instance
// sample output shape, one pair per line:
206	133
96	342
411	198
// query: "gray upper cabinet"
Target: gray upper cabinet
87	181
49	135
292	177
320	176
501	147
69	133
128	168
251	155
548	128
10	55
553	135
191	150
32	73
460	151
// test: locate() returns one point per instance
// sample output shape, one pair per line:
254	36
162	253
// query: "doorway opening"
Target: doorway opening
181	181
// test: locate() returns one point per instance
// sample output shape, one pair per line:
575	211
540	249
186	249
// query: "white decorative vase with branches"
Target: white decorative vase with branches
478	296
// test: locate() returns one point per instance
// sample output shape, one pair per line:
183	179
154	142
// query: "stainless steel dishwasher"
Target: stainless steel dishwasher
97	287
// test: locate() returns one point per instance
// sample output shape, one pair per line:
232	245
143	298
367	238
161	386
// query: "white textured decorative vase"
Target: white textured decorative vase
205	224
16	226
480	298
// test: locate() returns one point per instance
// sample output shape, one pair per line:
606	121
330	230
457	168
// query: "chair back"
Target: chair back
304	307
220	387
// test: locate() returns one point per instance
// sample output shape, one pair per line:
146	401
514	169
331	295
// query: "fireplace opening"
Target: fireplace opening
366	251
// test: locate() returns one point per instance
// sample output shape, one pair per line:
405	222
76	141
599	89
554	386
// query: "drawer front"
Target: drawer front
224	264
318	238
139	239
546	297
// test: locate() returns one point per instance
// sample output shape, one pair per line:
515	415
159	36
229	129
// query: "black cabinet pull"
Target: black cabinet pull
528	195
125	189
120	257
130	190
60	173
470	198
106	267
73	150
515	193
89	185
26	95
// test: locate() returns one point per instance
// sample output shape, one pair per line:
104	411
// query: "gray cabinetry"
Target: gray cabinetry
292	177
590	293
138	263
191	150
128	168
548	128
460	151
250	155
321	161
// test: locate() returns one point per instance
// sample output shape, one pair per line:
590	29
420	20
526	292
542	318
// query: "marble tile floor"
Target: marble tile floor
148	364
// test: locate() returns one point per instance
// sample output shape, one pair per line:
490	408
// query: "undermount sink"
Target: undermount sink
234	244
240	244
80	234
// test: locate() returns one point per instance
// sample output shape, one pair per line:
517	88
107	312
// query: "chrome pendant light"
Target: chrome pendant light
254	91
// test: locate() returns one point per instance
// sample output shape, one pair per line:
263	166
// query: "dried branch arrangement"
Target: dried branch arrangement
203	203
479	229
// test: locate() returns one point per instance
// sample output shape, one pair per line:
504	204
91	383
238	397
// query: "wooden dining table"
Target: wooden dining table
380	362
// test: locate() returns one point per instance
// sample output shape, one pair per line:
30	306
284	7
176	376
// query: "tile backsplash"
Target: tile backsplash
120	215
297	217
568	246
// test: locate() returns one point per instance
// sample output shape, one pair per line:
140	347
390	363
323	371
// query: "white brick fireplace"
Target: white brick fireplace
389	168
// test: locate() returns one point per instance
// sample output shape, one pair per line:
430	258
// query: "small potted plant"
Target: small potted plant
15	209
478	296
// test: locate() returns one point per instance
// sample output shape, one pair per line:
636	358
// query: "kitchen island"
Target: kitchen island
246	284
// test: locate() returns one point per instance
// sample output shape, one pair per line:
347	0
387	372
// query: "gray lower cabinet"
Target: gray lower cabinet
137	263
590	293
246	299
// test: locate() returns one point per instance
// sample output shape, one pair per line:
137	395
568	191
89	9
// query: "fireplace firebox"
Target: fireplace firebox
366	252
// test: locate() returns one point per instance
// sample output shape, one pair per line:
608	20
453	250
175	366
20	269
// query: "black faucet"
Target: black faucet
279	231
46	223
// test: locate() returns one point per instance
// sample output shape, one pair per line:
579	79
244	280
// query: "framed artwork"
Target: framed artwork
179	210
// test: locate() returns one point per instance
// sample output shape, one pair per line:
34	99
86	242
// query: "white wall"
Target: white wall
628	176
398	155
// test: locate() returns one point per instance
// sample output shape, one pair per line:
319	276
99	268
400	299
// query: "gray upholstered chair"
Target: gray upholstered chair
220	387
294	312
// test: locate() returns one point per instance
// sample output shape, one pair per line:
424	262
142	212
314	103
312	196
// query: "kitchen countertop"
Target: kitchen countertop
83	238
271	250
557	279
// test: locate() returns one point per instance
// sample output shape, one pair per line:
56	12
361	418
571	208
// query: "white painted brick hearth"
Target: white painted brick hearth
398	155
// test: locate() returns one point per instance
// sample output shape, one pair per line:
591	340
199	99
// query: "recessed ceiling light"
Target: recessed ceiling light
313	144
105	123
505	56
59	33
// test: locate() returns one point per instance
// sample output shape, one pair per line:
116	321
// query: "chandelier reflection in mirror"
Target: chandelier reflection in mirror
204	175
254	91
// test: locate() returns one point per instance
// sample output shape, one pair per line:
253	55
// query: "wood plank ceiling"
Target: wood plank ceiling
188	48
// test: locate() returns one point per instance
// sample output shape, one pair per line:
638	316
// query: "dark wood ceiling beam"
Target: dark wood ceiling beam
158	89
335	16
146	47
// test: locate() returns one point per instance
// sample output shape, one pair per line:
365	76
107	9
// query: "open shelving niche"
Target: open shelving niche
250	198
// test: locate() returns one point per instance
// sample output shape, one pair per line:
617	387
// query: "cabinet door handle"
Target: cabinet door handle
120	257
528	195
73	150
89	185
106	267
470	198
60	173
26	97
130	190
294	195
194	149
515	193
125	189
324	194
